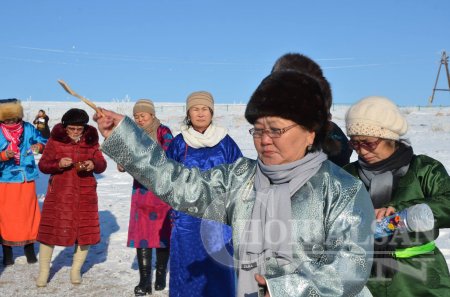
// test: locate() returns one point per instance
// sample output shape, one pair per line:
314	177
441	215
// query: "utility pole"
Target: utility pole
444	61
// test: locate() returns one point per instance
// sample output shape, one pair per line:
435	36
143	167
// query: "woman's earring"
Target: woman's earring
309	148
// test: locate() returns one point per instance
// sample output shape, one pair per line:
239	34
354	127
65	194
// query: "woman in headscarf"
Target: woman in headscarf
70	211
301	225
149	225
19	209
406	264
195	243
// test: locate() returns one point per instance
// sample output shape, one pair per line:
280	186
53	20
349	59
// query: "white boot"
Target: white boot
45	257
78	260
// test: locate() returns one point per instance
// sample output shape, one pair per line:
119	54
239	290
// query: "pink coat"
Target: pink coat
150	225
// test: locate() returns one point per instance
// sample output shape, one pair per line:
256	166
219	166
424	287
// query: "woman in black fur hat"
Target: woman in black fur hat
70	210
301	225
336	143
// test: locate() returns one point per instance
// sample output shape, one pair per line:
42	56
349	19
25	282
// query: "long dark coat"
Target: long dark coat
70	210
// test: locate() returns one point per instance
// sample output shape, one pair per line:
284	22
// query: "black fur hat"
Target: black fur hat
76	117
291	95
302	63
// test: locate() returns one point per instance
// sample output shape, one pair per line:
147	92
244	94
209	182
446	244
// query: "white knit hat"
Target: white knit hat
377	117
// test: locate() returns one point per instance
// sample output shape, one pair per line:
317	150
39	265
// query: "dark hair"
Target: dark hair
76	117
302	63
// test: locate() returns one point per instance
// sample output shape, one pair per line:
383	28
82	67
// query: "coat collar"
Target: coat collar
90	135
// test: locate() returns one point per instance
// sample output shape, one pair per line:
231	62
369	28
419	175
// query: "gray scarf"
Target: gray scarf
381	178
269	231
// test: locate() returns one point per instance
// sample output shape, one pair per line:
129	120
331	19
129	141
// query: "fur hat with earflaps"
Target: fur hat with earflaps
75	117
10	108
294	96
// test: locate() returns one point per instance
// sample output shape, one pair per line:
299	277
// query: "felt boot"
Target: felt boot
79	257
45	257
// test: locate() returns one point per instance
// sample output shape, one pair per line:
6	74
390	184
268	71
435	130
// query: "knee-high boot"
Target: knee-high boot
79	257
29	253
162	257
8	258
45	257
144	257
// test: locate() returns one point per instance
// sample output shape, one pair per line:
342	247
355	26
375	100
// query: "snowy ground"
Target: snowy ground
111	267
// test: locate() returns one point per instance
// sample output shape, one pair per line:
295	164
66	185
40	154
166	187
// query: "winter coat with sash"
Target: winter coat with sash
70	210
426	181
332	214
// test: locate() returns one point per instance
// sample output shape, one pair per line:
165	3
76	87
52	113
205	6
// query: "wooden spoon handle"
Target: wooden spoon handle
72	92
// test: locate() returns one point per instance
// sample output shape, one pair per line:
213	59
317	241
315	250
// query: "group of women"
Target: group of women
302	226
290	223
193	243
70	211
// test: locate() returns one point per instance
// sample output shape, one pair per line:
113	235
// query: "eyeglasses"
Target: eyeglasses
272	132
367	145
75	129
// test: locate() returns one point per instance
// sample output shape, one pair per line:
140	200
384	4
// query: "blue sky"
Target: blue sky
164	50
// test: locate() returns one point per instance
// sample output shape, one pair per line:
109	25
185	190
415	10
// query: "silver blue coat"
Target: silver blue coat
332	213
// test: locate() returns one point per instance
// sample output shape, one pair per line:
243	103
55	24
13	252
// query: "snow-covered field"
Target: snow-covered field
111	267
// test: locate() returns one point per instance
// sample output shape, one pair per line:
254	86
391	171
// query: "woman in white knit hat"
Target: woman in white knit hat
405	264
196	243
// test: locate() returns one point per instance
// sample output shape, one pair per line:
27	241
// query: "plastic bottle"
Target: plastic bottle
416	218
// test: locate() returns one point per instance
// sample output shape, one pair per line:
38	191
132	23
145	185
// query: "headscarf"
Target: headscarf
12	134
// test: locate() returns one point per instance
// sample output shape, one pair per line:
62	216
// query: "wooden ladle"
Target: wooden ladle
73	93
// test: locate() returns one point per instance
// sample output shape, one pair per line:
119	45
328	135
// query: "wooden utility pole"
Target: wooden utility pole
444	61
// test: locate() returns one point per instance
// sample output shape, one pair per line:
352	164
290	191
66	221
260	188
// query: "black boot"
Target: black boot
29	253
8	258
144	257
162	257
